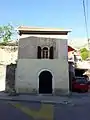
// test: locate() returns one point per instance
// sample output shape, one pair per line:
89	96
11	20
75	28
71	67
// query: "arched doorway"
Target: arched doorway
45	82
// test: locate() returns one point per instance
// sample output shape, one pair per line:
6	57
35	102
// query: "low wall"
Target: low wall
10	77
2	77
8	54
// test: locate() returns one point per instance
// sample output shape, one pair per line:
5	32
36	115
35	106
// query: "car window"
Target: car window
81	80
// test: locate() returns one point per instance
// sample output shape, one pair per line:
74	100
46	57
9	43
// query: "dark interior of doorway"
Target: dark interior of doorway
45	82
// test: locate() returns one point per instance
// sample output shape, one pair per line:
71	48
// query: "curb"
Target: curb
53	102
18	100
35	101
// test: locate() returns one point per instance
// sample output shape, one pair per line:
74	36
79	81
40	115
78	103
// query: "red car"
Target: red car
80	84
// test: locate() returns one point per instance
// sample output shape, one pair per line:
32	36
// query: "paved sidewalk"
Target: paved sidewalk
33	98
74	99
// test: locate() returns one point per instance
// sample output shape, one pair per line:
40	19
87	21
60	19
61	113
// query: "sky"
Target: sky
66	14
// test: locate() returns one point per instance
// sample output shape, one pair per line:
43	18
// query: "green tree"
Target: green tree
6	33
84	53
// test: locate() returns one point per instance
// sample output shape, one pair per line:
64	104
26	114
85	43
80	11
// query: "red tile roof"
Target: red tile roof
70	49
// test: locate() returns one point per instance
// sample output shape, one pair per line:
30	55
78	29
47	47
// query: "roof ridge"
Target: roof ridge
42	28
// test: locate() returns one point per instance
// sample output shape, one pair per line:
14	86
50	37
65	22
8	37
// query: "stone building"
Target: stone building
42	66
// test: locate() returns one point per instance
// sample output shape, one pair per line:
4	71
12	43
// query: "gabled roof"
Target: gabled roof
40	30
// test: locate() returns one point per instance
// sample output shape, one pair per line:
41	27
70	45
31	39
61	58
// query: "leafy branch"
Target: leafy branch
6	32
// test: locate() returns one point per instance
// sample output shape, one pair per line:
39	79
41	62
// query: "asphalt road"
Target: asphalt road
8	112
59	112
78	112
31	111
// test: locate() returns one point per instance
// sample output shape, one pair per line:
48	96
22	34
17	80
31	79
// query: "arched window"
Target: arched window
45	53
51	53
39	52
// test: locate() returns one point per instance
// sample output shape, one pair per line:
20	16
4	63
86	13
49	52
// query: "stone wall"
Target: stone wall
8	55
10	77
28	46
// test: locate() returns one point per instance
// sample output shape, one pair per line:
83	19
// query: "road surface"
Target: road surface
37	111
56	112
7	112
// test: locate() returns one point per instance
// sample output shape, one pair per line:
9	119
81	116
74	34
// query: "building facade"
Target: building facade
42	66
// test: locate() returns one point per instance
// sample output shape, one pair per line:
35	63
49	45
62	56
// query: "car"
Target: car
80	84
89	84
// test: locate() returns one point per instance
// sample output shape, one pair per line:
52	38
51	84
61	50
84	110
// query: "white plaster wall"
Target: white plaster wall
2	77
62	48
7	56
45	36
28	72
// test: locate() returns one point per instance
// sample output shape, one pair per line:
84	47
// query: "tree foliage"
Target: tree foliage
84	53
6	33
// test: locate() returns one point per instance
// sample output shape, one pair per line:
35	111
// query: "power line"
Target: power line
87	9
85	18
